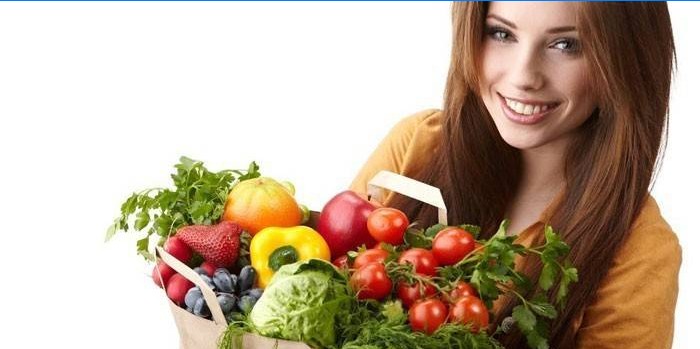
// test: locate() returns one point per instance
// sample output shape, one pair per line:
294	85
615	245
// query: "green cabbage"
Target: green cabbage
302	302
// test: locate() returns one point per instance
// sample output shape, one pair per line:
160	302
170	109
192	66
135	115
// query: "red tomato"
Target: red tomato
409	294
423	260
427	315
472	310
387	224
452	244
462	289
371	282
370	256
341	262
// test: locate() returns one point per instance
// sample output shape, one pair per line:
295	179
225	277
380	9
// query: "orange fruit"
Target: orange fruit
262	202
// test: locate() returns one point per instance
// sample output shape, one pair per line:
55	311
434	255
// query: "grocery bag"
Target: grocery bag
200	333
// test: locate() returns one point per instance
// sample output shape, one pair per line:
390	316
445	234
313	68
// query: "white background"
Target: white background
100	99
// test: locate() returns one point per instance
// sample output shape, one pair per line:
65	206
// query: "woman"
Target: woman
556	113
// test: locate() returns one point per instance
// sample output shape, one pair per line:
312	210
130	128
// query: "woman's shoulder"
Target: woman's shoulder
639	290
652	236
421	134
405	149
650	227
423	123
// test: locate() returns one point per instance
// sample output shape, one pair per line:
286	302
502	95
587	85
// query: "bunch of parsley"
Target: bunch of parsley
199	197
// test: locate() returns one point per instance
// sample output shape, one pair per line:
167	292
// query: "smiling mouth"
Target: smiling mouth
526	113
527	109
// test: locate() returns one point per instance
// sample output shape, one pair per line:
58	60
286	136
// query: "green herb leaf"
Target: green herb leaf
142	220
129	206
537	341
549	271
112	230
142	244
571	273
502	229
393	312
147	255
543	308
475	230
252	172
415	238
524	318
433	230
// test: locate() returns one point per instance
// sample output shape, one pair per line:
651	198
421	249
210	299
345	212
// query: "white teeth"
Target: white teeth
516	106
525	109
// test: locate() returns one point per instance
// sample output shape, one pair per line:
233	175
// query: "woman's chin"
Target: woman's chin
522	141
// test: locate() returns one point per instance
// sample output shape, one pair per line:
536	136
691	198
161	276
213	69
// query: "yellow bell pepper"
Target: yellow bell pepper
273	247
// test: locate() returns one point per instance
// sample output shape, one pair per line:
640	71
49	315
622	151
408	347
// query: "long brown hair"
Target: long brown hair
608	167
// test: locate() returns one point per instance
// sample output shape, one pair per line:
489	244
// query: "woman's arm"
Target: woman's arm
635	304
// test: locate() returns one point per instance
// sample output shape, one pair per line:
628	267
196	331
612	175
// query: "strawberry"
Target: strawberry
218	244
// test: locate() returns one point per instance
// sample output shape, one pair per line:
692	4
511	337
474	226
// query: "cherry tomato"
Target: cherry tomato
462	289
387	224
409	294
341	262
423	260
371	282
470	309
427	315
370	256
452	244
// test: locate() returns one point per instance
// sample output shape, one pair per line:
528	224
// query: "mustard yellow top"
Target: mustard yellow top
634	306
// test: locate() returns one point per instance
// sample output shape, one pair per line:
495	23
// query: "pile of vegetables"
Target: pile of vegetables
390	283
403	298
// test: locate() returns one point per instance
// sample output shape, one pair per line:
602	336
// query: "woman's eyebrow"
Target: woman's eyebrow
549	31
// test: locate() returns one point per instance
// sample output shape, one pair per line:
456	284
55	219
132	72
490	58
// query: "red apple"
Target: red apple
343	222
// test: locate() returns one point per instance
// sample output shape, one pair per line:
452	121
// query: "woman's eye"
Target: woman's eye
568	45
498	34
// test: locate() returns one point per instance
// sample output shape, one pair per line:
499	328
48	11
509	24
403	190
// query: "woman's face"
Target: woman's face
534	76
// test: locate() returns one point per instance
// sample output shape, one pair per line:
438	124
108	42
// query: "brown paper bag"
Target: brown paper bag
199	333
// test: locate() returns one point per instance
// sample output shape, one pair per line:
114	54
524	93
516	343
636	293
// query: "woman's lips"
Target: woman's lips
524	119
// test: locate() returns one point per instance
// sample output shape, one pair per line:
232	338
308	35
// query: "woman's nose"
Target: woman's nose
526	73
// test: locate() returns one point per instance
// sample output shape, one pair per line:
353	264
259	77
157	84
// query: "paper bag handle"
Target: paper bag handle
189	274
409	187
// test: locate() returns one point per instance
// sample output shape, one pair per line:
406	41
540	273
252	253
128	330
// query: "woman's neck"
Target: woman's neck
543	169
542	178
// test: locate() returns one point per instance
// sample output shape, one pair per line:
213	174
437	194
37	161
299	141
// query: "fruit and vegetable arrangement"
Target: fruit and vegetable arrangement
357	275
